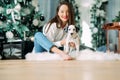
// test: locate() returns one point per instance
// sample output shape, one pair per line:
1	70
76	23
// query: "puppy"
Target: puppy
72	36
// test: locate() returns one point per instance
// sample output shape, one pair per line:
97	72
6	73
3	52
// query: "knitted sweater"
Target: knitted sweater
54	34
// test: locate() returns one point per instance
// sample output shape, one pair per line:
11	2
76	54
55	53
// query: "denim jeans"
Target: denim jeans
41	43
102	48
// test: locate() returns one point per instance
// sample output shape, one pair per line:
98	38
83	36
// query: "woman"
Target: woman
54	32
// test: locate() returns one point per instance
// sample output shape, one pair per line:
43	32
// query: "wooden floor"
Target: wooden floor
59	70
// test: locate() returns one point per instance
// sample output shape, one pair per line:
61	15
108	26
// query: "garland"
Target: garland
97	20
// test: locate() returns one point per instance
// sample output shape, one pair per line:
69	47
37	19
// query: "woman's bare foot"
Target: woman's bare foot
65	56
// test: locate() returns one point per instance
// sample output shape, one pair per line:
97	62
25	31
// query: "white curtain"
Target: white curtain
48	8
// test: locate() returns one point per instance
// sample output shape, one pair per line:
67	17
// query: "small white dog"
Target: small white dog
72	36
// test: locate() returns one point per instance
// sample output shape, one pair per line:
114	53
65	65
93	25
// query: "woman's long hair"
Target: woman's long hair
58	21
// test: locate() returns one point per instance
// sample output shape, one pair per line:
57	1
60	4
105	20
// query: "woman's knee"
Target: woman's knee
38	34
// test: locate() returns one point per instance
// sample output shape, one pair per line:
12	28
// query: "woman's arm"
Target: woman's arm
51	32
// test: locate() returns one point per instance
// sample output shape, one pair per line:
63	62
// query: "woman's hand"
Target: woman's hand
63	42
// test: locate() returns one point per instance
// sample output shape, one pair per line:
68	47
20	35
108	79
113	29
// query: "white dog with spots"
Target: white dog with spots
72	36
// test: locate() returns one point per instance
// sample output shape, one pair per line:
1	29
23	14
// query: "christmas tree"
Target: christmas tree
20	18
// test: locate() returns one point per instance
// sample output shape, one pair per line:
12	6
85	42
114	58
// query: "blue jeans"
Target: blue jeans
102	48
41	43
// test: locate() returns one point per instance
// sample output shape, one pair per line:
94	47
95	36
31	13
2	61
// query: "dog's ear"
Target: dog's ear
66	29
77	29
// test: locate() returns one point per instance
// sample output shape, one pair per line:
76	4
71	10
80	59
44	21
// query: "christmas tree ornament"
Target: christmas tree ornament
95	30
30	19
7	1
34	3
26	11
23	20
9	35
1	9
15	33
2	17
42	18
35	22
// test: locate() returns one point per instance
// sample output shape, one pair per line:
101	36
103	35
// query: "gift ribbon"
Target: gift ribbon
16	9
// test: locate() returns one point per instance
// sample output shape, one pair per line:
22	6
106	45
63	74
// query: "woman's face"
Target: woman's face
63	13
